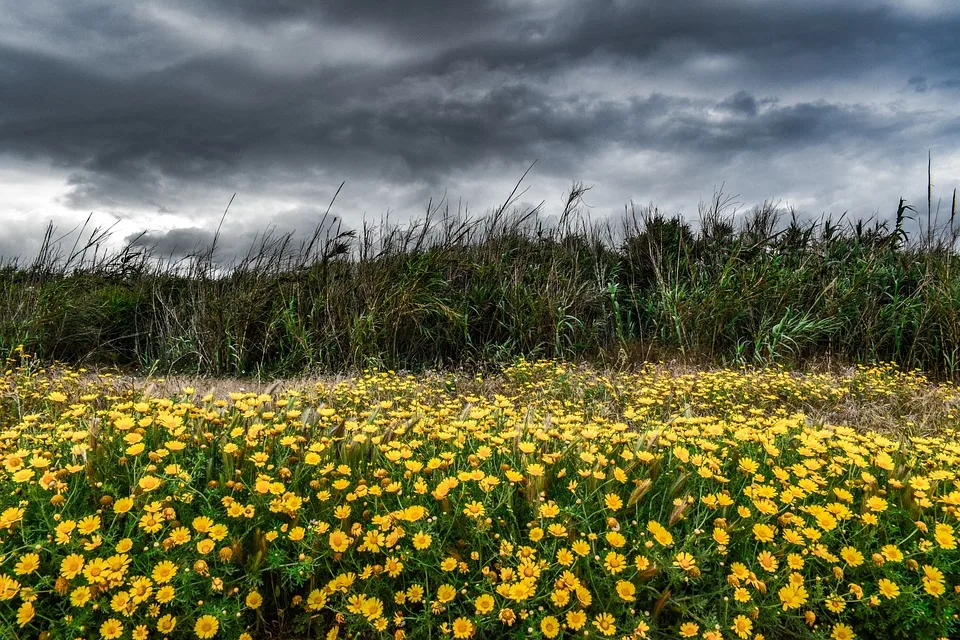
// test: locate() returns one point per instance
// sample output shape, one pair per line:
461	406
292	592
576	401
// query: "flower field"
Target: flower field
544	501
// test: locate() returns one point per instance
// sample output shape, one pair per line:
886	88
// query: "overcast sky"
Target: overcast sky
151	115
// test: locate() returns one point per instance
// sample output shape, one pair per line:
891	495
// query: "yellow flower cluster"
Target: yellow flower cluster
547	500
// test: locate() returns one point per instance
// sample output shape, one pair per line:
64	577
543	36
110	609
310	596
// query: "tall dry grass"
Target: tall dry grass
454	290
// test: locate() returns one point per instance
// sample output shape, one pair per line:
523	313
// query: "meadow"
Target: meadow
543	500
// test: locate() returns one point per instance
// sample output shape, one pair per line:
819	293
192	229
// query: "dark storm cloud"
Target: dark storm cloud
428	134
290	233
138	103
920	84
175	242
525	35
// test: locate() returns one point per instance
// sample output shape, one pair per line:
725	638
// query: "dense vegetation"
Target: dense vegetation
449	291
542	502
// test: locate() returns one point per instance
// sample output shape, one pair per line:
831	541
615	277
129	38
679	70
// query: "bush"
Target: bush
546	501
451	290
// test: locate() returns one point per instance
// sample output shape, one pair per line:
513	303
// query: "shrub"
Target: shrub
452	290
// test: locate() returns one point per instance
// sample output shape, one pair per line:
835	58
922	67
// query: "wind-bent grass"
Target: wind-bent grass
449	290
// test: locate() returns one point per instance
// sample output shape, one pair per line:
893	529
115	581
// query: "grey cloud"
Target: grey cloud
951	84
288	232
11	249
154	108
918	83
742	103
922	84
175	242
424	136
